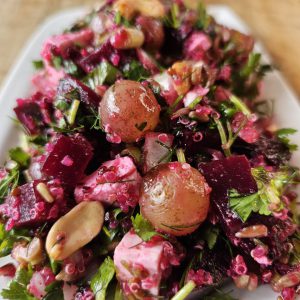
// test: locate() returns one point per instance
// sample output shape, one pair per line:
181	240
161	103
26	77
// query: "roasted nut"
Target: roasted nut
74	230
191	4
255	231
149	8
288	280
128	38
31	253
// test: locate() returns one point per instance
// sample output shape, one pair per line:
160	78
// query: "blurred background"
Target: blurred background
275	22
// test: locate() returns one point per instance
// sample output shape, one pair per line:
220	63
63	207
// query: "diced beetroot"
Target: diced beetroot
141	265
167	85
39	281
147	61
106	51
115	182
34	113
71	148
46	81
87	96
154	152
27	207
223	175
196	45
194	94
8	270
59	44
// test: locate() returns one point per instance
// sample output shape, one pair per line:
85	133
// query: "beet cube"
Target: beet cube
27	207
223	175
86	95
67	158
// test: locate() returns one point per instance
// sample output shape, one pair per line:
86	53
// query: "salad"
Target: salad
149	166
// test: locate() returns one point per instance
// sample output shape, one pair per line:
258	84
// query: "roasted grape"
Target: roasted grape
128	110
175	198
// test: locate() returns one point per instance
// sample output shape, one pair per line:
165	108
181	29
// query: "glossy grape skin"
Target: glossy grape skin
129	109
174	198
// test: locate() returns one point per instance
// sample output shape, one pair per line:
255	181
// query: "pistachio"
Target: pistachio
149	8
74	230
31	253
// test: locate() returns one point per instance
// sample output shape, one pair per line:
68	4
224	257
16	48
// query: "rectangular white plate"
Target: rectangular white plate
17	85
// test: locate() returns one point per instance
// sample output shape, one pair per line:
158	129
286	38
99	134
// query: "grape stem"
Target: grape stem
185	291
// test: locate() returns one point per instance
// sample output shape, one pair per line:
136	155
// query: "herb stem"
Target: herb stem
238	103
180	155
185	291
73	111
223	136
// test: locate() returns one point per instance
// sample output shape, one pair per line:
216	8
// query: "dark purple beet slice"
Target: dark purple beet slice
27	207
87	96
67	158
105	51
222	175
34	112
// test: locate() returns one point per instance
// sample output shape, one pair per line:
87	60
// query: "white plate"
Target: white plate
17	84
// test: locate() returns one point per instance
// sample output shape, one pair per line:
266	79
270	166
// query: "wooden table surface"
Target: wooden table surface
275	22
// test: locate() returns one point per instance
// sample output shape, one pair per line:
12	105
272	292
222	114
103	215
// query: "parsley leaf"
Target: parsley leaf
9	182
135	71
54	291
17	289
38	64
270	187
210	235
102	278
143	228
104	73
203	18
172	20
245	205
20	156
8	238
283	134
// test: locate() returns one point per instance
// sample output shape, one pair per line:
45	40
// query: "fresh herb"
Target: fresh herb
210	235
135	71
38	64
54	291
141	126
283	135
270	187
102	278
71	68
57	62
118	293
143	228
185	291
120	20
8	238
71	115
9	182
240	105
180	155
173	19
20	156
245	205
104	73
195	102
251	65
203	18
17	289
171	109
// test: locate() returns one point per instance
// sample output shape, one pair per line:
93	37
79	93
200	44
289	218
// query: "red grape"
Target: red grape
175	198
128	110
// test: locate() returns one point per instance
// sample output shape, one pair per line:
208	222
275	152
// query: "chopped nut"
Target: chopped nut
31	253
128	38
288	280
44	192
75	229
149	8
253	232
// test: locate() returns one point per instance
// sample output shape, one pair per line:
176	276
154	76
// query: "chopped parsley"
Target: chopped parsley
283	135
17	289
38	64
143	228
135	71
102	278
